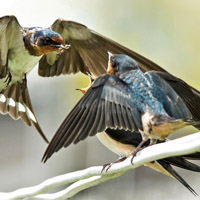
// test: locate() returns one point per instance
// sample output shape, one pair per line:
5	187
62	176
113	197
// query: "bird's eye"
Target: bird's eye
47	39
113	63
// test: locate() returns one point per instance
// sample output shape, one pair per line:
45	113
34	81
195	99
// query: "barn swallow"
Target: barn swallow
22	48
120	141
157	109
131	100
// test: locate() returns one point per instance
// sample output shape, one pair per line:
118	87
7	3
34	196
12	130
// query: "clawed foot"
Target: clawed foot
108	166
140	147
8	79
135	152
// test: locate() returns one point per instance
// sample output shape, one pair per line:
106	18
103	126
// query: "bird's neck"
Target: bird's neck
27	37
129	76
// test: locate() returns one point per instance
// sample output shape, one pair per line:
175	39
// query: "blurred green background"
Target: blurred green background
167	32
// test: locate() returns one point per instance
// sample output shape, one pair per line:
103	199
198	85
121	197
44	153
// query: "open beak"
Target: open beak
92	79
110	69
83	90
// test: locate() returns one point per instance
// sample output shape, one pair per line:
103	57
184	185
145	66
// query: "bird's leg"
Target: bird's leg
138	148
108	165
24	83
8	78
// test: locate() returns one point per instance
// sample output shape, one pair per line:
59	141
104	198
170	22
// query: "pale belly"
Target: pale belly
19	64
125	150
114	146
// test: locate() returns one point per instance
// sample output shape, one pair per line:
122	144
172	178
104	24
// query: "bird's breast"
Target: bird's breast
21	63
116	147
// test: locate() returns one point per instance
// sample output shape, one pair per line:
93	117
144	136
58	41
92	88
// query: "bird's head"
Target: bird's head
43	41
119	64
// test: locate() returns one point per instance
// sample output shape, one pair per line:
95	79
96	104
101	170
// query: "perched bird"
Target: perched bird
131	100
22	48
155	107
120	141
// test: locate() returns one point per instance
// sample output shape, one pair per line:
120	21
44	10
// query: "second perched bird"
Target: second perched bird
130	100
106	104
156	108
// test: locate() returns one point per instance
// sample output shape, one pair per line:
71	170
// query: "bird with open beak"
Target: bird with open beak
114	107
21	48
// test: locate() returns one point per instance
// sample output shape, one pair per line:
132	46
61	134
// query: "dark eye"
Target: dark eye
115	65
47	40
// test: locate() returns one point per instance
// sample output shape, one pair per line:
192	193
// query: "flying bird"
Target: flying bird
21	48
118	140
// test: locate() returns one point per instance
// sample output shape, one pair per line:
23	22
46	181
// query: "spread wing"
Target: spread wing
88	52
16	102
10	38
106	104
188	94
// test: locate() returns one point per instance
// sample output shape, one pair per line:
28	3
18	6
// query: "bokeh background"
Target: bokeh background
167	32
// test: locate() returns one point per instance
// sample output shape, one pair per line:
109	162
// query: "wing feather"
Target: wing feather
16	102
189	95
11	39
107	103
88	52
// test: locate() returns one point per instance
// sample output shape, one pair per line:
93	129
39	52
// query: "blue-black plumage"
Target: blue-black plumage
111	109
161	109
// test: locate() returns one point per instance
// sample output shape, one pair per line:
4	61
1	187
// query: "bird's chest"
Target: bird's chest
21	63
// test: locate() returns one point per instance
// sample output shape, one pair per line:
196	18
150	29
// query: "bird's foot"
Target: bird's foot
108	165
24	83
138	148
135	152
8	79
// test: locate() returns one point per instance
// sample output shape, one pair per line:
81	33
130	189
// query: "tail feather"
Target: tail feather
169	168
182	163
16	102
194	156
